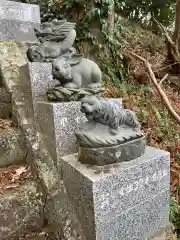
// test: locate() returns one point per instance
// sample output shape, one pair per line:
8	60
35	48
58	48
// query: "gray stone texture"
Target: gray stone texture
5	104
127	201
12	147
17	20
24	12
57	123
21	210
17	30
160	236
107	155
12	58
4	96
5	110
35	79
61	215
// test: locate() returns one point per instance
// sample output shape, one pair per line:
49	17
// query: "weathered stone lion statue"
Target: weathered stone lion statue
108	112
111	134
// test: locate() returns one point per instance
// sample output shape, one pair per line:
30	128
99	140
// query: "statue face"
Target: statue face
61	69
90	106
35	54
88	110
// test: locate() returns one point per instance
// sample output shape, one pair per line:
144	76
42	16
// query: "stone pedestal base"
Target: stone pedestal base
35	79
126	201
108	155
57	124
17	20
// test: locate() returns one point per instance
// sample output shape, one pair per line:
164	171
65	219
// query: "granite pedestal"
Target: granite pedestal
57	124
17	20
125	201
35	79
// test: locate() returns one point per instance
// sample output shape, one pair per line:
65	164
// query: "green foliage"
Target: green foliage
143	11
175	213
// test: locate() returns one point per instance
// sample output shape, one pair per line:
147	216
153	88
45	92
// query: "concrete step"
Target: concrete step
21	210
12	146
5	104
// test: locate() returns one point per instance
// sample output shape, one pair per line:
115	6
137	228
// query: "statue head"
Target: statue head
61	70
35	54
91	106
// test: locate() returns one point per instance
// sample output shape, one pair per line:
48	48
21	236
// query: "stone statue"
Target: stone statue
55	38
77	72
111	134
76	76
108	113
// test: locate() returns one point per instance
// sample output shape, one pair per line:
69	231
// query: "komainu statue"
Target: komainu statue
111	134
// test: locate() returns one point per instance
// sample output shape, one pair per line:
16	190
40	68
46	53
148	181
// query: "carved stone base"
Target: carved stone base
107	155
122	201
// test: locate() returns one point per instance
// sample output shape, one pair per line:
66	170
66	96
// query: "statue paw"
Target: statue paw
113	131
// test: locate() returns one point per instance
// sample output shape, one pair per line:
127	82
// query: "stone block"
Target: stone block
127	201
11	58
60	214
5	97
5	104
12	147
5	110
17	30
12	10
21	210
35	79
17	20
57	123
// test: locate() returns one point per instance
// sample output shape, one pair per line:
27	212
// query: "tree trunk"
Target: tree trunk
111	17
173	51
176	34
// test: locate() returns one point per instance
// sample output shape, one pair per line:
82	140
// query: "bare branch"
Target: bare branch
165	67
158	87
163	30
163	79
172	46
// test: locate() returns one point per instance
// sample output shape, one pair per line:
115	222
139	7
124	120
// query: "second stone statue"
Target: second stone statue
111	134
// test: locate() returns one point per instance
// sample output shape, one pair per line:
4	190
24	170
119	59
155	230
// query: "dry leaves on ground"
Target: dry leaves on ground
6	123
13	176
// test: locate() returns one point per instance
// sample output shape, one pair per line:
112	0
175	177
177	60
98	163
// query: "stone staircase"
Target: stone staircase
21	197
54	204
